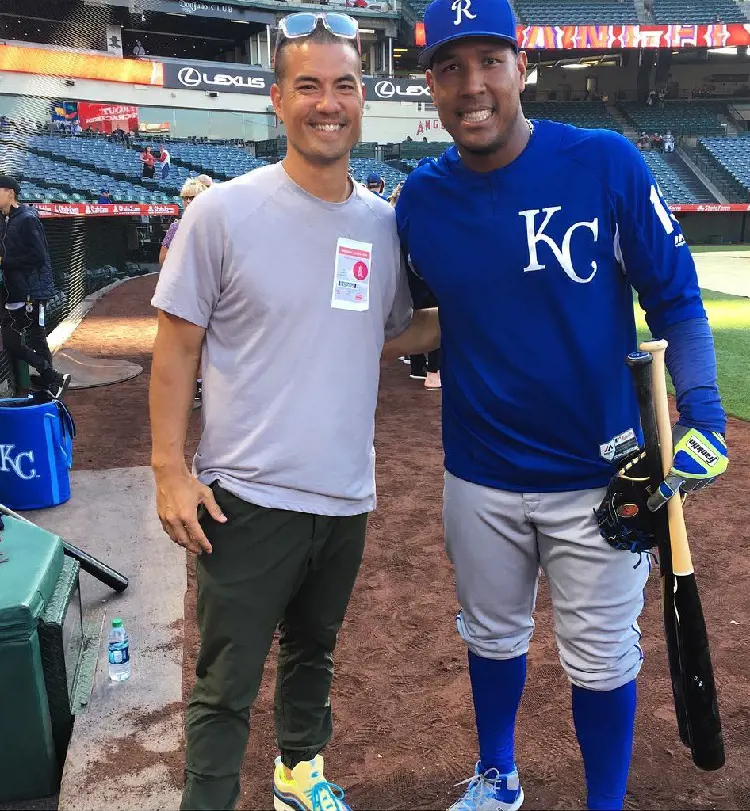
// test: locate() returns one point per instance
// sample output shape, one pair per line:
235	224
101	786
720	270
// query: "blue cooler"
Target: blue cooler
36	453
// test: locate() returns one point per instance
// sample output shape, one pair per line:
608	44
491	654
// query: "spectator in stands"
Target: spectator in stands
376	184
27	286
669	142
165	160
657	142
105	197
138	50
643	141
192	187
147	159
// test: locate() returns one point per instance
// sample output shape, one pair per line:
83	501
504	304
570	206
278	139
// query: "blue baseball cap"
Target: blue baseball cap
374	179
447	20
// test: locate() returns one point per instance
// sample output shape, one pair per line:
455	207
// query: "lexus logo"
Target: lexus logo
387	90
190	77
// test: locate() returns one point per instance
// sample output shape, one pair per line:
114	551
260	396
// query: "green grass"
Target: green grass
729	317
720	248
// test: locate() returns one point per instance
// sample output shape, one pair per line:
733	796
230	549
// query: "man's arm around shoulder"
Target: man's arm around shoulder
422	335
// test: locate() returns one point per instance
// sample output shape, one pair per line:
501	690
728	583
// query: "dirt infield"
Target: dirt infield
404	731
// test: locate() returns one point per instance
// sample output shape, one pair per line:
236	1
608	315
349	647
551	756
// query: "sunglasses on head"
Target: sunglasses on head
304	23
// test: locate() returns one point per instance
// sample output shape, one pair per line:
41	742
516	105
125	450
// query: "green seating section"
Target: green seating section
586	114
681	117
697	11
732	155
575	12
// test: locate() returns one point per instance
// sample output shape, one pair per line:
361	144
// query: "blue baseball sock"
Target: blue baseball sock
497	686
604	722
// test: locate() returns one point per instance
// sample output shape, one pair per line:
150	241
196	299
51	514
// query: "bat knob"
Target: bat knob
639	358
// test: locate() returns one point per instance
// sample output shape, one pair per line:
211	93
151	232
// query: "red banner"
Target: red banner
169	210
710	208
47	210
609	37
108	117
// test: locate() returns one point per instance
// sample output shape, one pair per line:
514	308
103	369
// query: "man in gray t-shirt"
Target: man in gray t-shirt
282	285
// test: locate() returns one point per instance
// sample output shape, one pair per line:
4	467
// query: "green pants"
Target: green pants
268	569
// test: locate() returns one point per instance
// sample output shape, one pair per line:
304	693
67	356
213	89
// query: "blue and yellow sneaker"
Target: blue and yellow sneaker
308	790
490	791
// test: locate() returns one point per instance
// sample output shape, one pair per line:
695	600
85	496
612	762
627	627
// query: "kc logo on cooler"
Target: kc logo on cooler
10	463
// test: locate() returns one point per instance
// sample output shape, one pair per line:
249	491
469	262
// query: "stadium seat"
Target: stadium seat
360	168
575	12
681	117
587	114
732	157
697	11
673	186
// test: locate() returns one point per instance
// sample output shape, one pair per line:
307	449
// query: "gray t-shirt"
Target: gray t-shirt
295	322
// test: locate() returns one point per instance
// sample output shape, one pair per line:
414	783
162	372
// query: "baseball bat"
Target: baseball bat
640	367
93	566
699	689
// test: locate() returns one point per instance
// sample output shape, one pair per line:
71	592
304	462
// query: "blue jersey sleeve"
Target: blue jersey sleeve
649	241
421	295
659	266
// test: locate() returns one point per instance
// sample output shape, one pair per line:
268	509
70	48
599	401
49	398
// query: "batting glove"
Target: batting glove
699	457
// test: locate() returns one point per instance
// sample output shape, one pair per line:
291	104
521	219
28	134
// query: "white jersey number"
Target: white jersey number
665	218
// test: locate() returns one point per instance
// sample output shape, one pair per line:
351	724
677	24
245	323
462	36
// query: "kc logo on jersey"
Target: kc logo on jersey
561	252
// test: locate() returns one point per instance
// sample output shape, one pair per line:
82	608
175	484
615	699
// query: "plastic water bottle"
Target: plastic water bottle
119	652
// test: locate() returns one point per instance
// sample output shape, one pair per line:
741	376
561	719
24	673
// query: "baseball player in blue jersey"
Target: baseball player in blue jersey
532	235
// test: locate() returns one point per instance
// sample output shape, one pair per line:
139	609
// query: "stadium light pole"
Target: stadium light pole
268	45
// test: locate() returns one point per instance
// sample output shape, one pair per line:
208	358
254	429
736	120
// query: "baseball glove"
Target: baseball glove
624	518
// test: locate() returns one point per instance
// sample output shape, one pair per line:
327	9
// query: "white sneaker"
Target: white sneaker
490	791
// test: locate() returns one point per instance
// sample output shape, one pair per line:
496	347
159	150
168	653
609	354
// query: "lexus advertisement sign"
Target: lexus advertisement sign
232	79
397	89
217	79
